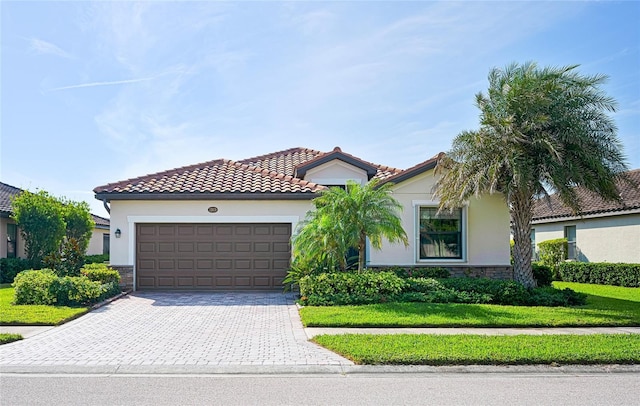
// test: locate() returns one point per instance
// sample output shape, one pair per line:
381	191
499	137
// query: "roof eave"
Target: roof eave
410	173
206	196
603	214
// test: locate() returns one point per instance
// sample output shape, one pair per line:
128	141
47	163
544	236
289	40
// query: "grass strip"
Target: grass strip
606	306
8	338
34	315
422	349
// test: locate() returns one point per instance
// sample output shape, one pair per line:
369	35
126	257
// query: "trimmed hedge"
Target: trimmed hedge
601	273
349	288
542	274
96	259
100	273
375	287
416	272
44	287
10	267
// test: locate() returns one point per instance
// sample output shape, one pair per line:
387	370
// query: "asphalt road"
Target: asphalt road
358	389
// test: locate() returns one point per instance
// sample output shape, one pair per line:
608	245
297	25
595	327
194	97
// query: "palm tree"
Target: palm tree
345	218
541	131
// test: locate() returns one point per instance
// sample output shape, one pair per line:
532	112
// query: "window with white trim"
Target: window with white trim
441	235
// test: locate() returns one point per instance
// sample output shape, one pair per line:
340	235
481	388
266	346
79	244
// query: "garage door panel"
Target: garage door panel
212	256
204	247
242	264
185	247
261	264
242	247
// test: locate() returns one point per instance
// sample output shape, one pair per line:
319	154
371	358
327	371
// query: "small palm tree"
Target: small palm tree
345	218
541	131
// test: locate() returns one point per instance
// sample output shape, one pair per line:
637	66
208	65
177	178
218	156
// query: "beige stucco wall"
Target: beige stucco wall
3	238
125	214
95	243
486	223
605	239
336	173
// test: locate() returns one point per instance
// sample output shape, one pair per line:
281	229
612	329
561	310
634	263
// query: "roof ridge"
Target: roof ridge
276	175
280	153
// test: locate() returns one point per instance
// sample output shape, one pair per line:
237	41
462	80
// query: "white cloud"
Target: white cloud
47	48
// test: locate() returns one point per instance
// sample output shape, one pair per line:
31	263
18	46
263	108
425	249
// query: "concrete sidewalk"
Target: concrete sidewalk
30	331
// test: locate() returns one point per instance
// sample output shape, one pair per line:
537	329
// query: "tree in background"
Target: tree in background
56	231
542	130
80	224
41	222
344	219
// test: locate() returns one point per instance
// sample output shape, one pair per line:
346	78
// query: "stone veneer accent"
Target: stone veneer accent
126	276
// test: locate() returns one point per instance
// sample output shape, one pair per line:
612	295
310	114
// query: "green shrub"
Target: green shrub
349	288
76	290
34	287
96	259
552	253
10	267
501	292
601	273
551	297
101	273
44	287
416	272
542	274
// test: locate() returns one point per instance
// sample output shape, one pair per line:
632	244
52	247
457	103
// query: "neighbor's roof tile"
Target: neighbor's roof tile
6	193
590	202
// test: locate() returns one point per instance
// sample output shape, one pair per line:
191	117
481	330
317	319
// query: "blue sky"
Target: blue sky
97	92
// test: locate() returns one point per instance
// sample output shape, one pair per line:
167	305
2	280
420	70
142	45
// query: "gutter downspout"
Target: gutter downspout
106	206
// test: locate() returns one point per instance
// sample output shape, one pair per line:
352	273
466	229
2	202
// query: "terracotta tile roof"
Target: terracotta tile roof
213	177
269	174
101	222
283	162
413	171
6	193
590	203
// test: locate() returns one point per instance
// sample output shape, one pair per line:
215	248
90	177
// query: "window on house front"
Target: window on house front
12	240
440	234
105	244
570	235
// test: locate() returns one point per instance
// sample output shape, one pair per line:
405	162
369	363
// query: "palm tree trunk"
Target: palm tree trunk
361	251
521	215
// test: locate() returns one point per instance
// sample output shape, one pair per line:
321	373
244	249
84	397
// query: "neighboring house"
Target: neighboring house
9	232
227	224
99	243
601	232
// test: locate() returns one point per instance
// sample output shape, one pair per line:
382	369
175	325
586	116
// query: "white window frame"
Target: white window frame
417	205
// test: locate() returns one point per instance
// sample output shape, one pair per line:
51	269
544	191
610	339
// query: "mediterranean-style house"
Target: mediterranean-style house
227	225
602	231
10	233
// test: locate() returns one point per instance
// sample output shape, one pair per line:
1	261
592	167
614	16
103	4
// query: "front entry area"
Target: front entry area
212	256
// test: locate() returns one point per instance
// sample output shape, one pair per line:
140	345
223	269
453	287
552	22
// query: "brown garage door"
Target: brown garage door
212	256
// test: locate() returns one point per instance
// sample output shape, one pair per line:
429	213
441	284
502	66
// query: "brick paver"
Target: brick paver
168	328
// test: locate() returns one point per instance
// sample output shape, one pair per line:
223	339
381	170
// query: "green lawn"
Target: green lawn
606	306
8	338
419	349
34	314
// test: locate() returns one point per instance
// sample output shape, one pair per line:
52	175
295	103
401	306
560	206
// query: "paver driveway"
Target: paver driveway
191	328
